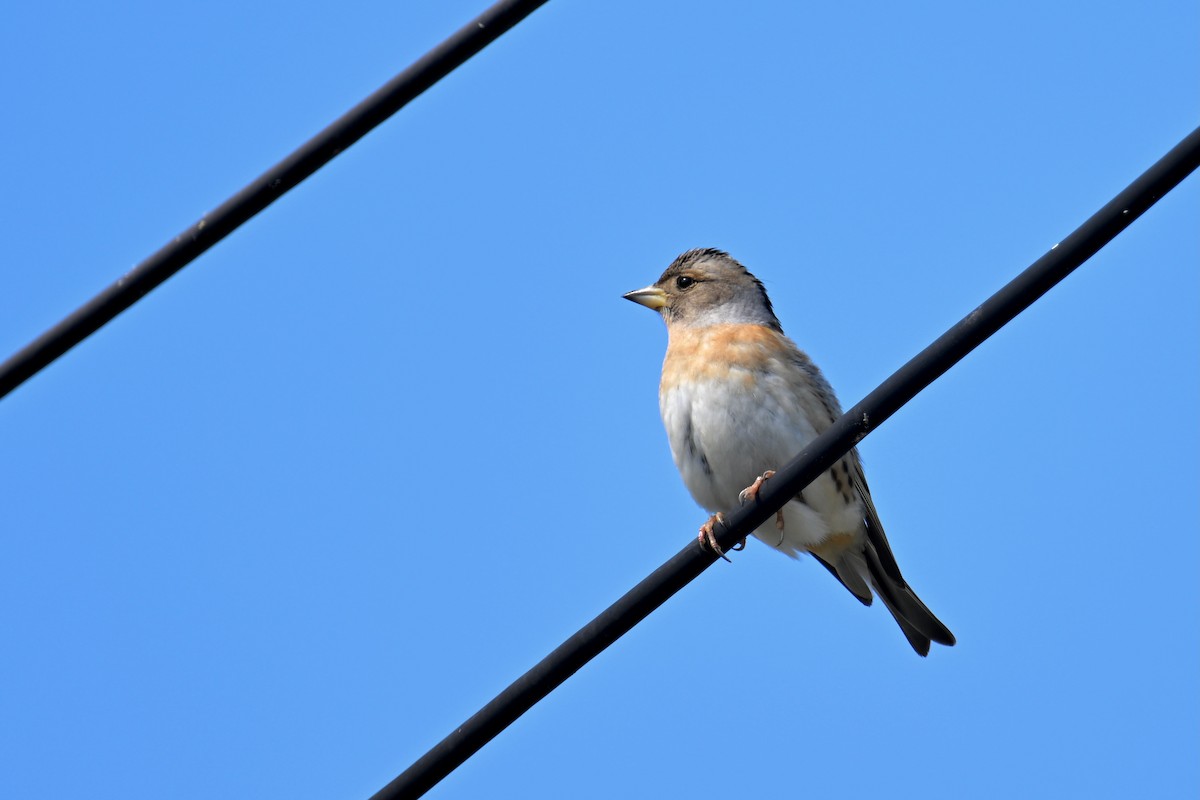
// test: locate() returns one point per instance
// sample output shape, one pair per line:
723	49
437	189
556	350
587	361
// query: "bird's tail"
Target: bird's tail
919	624
862	571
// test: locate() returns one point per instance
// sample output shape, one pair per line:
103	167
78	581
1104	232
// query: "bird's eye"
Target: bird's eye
684	282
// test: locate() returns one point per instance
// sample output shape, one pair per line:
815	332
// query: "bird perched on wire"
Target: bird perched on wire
738	399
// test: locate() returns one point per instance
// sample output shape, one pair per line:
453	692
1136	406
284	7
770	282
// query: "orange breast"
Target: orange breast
720	352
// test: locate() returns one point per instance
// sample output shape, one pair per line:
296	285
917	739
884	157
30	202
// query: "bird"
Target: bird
739	399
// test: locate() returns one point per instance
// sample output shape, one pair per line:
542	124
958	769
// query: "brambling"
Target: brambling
738	398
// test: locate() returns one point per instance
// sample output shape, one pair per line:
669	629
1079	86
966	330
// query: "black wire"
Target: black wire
819	456
264	190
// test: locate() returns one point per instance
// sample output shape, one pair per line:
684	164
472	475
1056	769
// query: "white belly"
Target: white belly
723	436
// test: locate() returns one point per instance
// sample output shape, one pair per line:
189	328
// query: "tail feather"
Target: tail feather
918	640
917	622
848	576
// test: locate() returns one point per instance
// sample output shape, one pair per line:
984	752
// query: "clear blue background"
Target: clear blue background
286	523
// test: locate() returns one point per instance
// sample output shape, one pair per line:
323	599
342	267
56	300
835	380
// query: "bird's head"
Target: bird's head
708	287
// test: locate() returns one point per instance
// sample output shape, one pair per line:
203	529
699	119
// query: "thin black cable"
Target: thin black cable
264	190
819	456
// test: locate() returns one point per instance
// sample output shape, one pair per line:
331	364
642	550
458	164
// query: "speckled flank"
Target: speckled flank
843	488
693	446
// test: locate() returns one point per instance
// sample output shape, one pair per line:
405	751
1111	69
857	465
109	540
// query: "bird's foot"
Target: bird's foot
708	536
751	491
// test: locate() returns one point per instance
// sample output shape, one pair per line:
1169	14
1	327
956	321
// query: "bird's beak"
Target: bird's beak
650	297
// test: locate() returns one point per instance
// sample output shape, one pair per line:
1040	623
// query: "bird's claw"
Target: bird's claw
751	491
708	536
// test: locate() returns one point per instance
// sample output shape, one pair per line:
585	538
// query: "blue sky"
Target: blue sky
295	516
